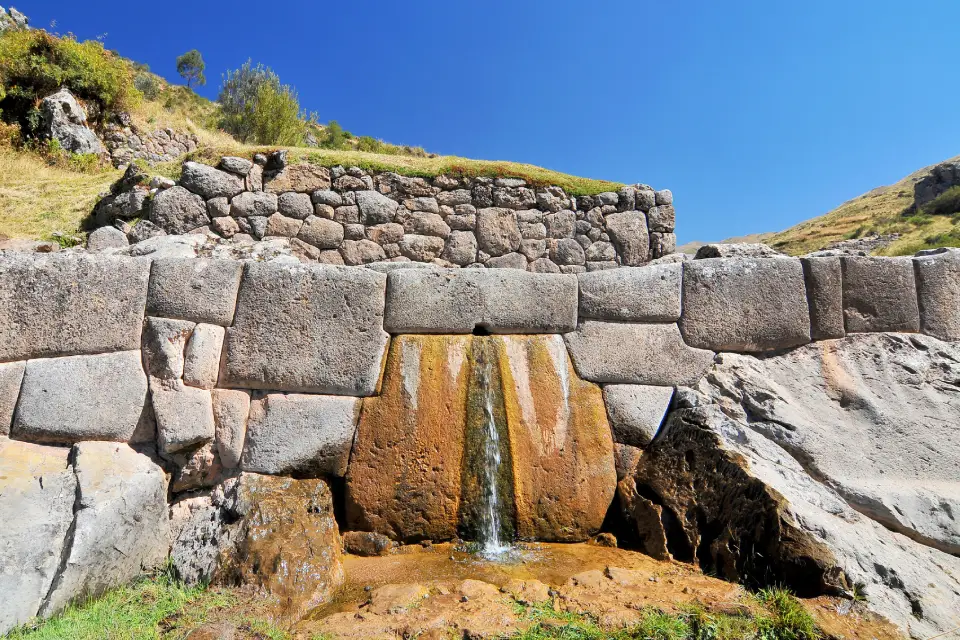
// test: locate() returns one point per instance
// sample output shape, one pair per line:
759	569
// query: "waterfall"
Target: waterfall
490	524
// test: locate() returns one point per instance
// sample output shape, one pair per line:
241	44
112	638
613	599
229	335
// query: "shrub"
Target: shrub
366	143
334	137
276	116
947	203
191	66
35	64
147	84
238	98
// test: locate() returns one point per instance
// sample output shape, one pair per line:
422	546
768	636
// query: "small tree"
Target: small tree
238	98
334	136
276	116
191	66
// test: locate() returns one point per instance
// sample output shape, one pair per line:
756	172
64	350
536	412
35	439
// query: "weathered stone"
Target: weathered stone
822	277
233	164
254	180
744	304
375	208
226	227
256	226
421	248
66	400
543	265
632	294
651	354
636	411
629	234
661	218
664	197
461	248
335	344
879	294
305	178
508	261
164	342
466	222
106	238
608	198
500	301
514	197
552	199
177	210
626	459
11	374
282	226
38	490
533	249
662	244
208	182
601	252
321	233
144	230
427	224
497	231
331	257
202	358
384	234
567	252
253	203
350	183
197	468
184	417
199	290
65	121
737	250
230	412
295	205
938	295
300	434
327	198
429	205
645	199
560	224
121	524
366	543
357	252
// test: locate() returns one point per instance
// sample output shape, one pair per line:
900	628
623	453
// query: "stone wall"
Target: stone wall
354	217
128	143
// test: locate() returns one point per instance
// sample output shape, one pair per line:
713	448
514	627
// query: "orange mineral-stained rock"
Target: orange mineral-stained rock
404	474
561	445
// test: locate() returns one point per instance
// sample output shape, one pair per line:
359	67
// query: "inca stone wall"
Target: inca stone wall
127	143
354	217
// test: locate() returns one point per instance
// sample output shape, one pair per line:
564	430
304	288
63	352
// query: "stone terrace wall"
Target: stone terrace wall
353	217
129	143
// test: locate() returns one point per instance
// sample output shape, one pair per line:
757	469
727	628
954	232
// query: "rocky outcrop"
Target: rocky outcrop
65	121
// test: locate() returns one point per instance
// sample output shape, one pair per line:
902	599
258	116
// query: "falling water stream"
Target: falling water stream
490	525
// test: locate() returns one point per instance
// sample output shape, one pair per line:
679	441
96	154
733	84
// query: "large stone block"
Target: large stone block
69	304
230	412
199	290
636	411
308	329
66	400
744	304
632	294
825	296
879	294
629	234
619	353
184	417
496	300
164	341
122	526
300	434
202	358
938	294
497	231
208	182
176	210
11	374
303	178
38	490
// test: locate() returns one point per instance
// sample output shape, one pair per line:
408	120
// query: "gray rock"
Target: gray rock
543	265
305	178
230	412
279	225
662	244
384	234
321	233
632	294
357	252
421	248
11	374
333	345
636	411
608	198
628	232
200	534
824	296
737	250
144	230
560	224
177	210
467	222
164	342
256	226
601	252
601	266
208	182
662	218
65	121
121	206
744	304
454	198
497	231
938	294
567	252
627	199
498	300
426	224
461	248
513	198
650	354
429	205
879	294
121	526
510	182
218	207
239	166
202	357
508	261
254	203
66	400
375	208
200	290
533	249
226	227
295	205
664	197
37	495
106	238
300	434
645	199
329	198
671	258
184	417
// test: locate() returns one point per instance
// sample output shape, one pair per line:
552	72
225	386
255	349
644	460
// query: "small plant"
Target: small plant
147	84
191	66
789	621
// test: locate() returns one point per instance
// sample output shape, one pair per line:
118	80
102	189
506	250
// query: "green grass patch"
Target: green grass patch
947	203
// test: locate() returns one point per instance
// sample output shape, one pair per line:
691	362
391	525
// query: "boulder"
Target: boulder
106	238
938	294
421	248
164	341
499	301
824	296
11	374
508	261
636	411
201	290
375	208
632	294
629	234
497	231
620	353
297	434
231	410
207	182
67	400
661	218
426	224
65	304
295	205
662	245
233	164
253	203
321	233
737	250
202	358
560	224
333	345
461	248
567	252
744	304
65	121
280	225
121	527
38	491
879	294
366	543
184	417
304	178
359	252
178	211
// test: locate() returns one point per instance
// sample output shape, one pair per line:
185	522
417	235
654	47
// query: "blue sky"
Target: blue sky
756	114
